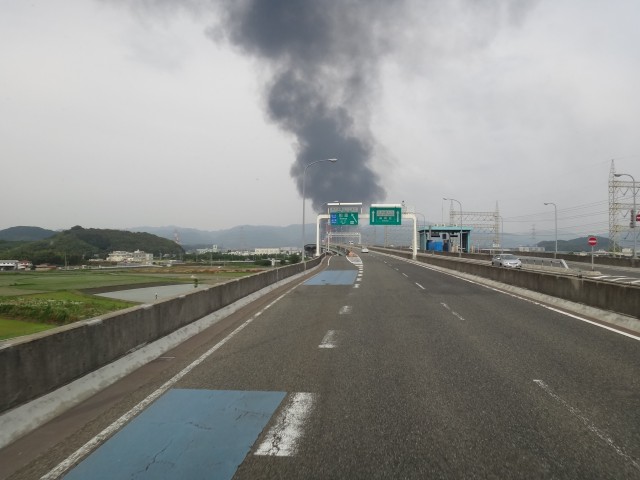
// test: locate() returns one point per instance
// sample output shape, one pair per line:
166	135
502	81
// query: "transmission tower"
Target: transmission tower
620	206
533	234
484	224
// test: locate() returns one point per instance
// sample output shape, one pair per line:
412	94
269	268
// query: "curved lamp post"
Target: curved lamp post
555	209
304	177
635	212
454	200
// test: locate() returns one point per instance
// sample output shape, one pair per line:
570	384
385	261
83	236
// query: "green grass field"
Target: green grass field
17	328
31	302
16	283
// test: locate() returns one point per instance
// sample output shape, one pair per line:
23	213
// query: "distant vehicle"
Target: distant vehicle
365	250
506	260
350	242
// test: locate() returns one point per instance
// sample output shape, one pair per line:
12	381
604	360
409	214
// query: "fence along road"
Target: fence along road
401	371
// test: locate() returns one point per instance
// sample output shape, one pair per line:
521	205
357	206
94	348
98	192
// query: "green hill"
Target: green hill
77	245
575	245
25	234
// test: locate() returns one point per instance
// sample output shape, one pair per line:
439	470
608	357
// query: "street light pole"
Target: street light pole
454	200
555	209
304	177
501	234
635	211
424	222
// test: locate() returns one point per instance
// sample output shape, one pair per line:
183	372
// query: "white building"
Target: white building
266	251
128	257
9	264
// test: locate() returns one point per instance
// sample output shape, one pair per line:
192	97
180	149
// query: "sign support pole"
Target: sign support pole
321	216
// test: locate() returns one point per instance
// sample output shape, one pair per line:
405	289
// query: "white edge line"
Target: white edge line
548	307
64	466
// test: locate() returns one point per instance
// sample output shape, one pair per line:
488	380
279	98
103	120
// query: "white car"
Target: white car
364	250
506	260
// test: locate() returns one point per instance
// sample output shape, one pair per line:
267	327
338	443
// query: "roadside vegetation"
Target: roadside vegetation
32	302
53	309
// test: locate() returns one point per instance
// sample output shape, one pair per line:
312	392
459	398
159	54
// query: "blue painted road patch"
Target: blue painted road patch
194	434
333	277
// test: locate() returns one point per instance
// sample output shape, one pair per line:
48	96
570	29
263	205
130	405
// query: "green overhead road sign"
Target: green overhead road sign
344	218
385	215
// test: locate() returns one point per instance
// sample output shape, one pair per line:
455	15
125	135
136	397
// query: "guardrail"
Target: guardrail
544	262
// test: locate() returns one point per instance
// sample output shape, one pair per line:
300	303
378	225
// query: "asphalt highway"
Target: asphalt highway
378	368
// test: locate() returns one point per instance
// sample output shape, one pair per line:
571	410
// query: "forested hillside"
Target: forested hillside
78	245
25	234
575	245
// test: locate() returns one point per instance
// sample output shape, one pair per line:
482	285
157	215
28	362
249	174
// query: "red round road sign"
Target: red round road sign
593	241
638	217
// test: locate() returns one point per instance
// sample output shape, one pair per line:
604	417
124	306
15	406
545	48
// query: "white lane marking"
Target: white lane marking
454	313
329	340
356	285
578	414
282	439
635	281
346	310
519	297
420	286
406	275
64	466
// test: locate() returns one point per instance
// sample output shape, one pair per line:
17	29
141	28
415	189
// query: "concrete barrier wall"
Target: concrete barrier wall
619	298
35	365
586	259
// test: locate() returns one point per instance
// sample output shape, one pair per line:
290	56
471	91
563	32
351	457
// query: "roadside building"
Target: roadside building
138	256
267	251
9	264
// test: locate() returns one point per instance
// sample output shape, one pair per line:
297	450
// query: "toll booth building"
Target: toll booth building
444	238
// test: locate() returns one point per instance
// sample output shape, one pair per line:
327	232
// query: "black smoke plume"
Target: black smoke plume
323	61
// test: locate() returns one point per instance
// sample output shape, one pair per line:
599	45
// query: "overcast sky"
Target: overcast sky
198	114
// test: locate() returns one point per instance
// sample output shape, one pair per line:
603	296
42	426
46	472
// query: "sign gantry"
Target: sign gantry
348	214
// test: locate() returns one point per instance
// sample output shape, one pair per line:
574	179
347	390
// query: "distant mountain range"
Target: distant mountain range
249	237
576	245
244	237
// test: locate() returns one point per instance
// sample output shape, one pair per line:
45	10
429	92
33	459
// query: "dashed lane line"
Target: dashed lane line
329	340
